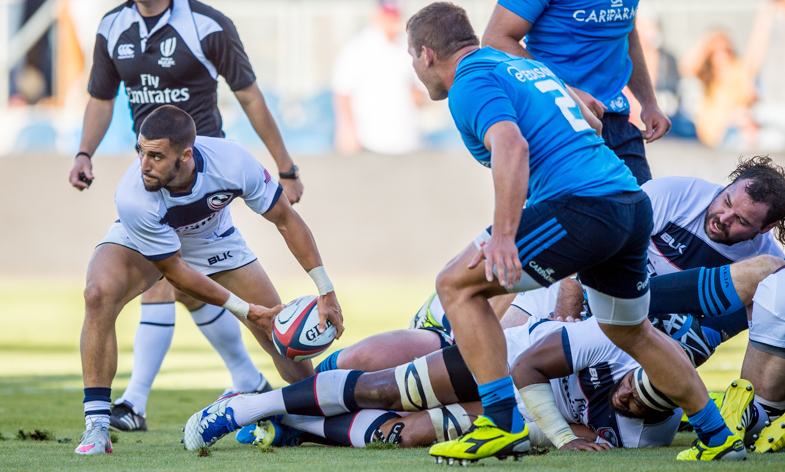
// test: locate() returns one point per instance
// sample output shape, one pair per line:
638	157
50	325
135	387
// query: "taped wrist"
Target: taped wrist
539	400
237	305
319	277
415	387
449	422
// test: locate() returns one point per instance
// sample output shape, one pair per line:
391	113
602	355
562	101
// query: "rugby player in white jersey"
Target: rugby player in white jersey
173	52
173	204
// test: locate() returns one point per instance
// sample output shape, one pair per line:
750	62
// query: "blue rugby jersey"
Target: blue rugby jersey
566	157
156	221
583	41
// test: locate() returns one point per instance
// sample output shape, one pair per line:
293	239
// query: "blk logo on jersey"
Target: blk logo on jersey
219	200
219	258
167	49
125	51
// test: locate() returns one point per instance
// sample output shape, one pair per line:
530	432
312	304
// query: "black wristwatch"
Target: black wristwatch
292	174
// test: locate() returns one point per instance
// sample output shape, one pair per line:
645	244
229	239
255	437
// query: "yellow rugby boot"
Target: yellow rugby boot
738	397
731	450
484	439
772	437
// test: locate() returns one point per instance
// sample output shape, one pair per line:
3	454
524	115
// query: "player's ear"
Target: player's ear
187	155
428	55
768	228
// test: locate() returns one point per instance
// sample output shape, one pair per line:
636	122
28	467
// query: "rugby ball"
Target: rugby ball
296	330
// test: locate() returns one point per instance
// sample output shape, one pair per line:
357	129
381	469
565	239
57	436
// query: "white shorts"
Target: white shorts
768	311
208	256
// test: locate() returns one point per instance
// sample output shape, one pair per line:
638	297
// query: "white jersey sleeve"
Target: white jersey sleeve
140	213
586	346
540	302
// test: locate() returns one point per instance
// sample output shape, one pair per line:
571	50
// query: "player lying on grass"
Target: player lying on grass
441	378
173	204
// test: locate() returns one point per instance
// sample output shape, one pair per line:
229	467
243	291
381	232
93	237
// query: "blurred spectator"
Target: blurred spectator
664	73
766	56
376	90
32	82
723	119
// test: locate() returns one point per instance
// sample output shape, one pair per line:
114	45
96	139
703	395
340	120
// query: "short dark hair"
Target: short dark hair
443	27
766	185
172	123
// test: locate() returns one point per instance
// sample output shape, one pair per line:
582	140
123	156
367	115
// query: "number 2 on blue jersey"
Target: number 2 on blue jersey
566	104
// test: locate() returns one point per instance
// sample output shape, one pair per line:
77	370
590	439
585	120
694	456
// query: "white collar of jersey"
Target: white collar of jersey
163	21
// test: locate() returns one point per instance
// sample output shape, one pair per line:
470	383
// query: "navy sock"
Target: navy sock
329	363
709	425
709	292
498	401
325	394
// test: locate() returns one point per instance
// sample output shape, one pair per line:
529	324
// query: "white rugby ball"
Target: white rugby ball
296	330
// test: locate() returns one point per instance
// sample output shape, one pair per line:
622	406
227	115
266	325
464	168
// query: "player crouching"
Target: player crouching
173	204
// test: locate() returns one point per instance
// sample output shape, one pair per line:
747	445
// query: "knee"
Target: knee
768	264
101	300
358	357
448	284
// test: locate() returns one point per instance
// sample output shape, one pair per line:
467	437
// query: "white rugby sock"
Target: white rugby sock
222	329
153	338
773	409
350	429
326	394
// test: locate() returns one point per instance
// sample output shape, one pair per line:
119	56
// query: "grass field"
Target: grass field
40	387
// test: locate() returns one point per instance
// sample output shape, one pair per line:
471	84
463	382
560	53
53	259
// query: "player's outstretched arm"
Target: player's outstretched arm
510	167
531	373
657	124
263	123
97	117
184	278
302	245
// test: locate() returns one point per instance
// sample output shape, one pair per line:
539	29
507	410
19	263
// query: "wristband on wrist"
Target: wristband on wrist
237	305
541	404
292	174
321	280
82	153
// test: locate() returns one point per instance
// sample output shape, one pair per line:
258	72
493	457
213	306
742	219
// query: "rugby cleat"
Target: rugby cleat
94	441
274	433
124	418
771	439
731	450
483	439
206	427
738	397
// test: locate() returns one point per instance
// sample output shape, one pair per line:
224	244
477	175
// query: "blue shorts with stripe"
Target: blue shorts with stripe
603	239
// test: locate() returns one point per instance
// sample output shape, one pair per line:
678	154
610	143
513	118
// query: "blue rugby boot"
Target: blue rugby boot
206	427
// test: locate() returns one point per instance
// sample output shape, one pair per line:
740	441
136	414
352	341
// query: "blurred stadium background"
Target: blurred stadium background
385	224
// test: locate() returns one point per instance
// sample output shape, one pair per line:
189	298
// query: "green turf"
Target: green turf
40	387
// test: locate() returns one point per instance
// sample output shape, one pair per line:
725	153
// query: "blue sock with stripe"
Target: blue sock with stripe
97	401
329	363
709	292
709	425
499	404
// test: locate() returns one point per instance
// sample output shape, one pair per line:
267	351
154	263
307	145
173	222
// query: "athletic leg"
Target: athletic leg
222	330
153	338
251	283
115	276
440	378
383	351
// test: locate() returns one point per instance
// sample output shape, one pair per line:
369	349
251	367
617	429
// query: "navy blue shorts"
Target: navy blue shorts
603	239
626	140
